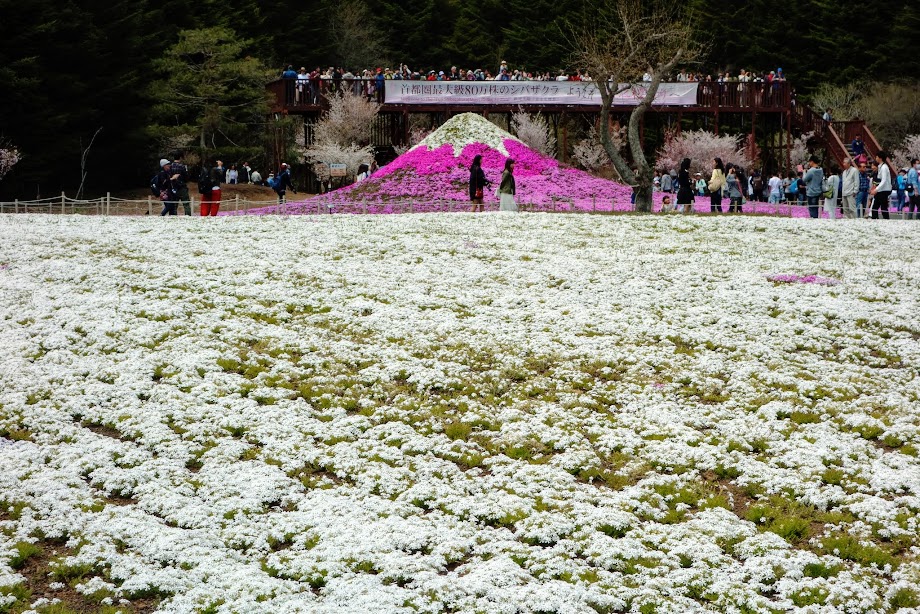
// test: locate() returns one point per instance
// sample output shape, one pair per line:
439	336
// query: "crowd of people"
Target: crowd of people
310	84
171	184
861	188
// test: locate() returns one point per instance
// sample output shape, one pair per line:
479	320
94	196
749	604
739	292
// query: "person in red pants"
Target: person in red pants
209	187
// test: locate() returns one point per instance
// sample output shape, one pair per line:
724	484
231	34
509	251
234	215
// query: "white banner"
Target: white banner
530	93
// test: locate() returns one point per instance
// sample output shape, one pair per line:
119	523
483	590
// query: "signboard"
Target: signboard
582	93
338	170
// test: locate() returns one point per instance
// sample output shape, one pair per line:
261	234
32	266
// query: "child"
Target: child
666	206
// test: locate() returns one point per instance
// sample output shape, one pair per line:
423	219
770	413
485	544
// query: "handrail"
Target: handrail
872	144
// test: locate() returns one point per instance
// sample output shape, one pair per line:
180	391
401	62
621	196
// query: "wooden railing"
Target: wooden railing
745	96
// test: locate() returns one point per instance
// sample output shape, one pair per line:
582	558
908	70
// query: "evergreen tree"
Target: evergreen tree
210	94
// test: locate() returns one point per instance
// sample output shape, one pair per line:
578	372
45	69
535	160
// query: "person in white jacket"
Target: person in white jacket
849	188
882	192
832	184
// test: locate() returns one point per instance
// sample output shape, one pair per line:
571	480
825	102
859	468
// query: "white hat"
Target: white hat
164	162
284	164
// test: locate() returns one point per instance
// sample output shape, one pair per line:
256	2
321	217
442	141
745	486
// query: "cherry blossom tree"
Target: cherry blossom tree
9	156
342	135
535	132
909	149
701	147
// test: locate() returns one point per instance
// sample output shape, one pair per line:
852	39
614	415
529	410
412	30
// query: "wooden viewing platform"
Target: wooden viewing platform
761	110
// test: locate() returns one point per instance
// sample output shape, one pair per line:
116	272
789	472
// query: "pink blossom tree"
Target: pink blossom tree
9	156
909	149
701	147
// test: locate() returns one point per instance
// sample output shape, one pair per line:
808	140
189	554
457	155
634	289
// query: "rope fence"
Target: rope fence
111	206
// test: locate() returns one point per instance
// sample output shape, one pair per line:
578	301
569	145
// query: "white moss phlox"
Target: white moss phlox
466	129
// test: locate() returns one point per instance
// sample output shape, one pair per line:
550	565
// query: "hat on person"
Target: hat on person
164	162
283	164
441	73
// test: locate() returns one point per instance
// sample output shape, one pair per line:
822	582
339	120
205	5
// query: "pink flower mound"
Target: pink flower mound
788	278
436	180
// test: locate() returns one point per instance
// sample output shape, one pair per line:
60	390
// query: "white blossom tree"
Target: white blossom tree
535	132
343	135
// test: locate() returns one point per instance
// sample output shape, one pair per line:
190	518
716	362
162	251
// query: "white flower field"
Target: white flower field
486	413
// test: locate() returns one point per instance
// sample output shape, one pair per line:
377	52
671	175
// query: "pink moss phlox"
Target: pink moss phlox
790	278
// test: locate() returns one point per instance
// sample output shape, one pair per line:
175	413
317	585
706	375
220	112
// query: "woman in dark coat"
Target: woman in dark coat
478	183
685	186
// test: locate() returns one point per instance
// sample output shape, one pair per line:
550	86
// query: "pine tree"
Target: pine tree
212	95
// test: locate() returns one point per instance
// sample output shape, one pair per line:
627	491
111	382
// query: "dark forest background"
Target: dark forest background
69	68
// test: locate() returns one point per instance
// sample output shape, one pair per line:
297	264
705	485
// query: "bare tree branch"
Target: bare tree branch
625	41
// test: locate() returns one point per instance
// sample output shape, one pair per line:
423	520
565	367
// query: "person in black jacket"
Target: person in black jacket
478	183
283	182
685	186
166	184
181	184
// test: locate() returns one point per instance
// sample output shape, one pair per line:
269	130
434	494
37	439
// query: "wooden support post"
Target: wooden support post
565	138
63	200
149	205
16	205
108	203
788	141
236	207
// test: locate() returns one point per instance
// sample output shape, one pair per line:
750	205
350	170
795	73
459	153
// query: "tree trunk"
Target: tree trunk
643	197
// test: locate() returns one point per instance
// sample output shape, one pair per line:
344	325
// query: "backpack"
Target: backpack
794	186
155	185
758	185
204	180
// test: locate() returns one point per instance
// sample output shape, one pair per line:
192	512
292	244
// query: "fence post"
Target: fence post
593	204
108	203
236	207
364	207
16	210
149	205
62	206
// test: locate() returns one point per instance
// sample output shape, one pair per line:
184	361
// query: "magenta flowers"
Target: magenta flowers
787	278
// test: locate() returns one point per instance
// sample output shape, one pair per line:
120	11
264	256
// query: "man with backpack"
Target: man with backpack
757	186
283	182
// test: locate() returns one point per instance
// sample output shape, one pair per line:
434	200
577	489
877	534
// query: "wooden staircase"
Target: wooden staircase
835	136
